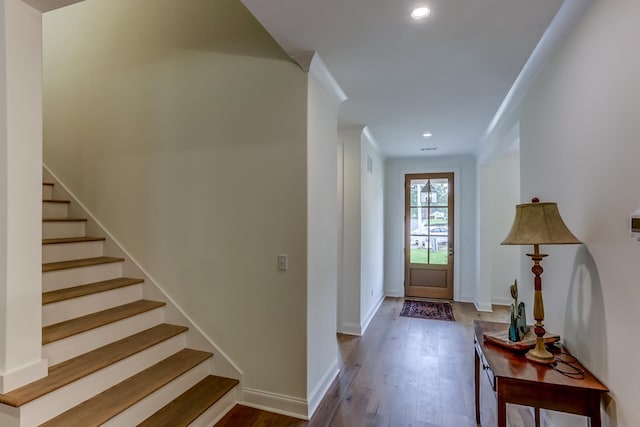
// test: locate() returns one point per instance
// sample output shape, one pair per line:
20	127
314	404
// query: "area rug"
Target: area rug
435	310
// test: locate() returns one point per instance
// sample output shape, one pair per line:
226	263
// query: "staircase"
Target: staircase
112	359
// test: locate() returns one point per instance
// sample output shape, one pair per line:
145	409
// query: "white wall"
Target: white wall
464	168
363	229
580	138
372	229
503	196
20	195
498	266
349	139
322	242
183	127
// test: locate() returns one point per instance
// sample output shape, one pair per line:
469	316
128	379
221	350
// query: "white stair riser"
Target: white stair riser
70	309
218	410
155	401
69	251
64	349
57	402
57	230
60	279
47	191
55	210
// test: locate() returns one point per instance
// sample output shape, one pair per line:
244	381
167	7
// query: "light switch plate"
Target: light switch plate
282	263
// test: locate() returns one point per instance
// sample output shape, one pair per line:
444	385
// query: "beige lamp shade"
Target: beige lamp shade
539	223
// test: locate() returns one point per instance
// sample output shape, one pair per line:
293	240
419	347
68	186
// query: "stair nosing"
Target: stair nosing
48	183
79	263
141	383
64	219
99	359
66	294
65	240
78	325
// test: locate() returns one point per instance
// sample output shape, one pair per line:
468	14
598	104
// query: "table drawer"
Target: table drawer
485	366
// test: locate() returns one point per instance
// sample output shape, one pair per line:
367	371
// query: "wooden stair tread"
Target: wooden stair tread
88	289
192	403
86	364
75	263
111	402
64	219
47	183
81	324
56	201
72	240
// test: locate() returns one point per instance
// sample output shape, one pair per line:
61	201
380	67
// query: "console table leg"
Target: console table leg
502	406
594	419
477	382
537	414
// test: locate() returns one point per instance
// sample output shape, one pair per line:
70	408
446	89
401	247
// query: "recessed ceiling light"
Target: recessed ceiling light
427	134
420	12
429	149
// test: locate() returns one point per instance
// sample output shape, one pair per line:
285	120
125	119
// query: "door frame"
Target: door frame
447	291
457	288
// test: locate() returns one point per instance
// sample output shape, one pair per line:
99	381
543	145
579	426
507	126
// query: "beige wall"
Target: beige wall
322	245
182	126
580	144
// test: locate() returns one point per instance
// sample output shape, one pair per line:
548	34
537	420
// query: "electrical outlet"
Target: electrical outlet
282	263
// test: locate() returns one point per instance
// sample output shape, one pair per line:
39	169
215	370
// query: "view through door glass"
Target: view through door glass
429	242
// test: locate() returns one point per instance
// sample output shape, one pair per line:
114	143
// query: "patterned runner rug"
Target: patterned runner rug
435	310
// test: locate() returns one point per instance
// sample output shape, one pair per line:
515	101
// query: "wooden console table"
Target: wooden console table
515	379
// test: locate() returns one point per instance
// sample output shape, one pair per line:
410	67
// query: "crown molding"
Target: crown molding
311	63
49	5
506	117
372	140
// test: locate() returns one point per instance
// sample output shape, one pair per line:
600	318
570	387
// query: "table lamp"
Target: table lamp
538	224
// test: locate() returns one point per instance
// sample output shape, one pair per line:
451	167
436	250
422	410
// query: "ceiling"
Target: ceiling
447	74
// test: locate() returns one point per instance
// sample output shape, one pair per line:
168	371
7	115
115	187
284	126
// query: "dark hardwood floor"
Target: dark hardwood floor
402	372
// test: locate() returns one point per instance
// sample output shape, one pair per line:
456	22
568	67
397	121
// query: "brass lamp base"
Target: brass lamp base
540	354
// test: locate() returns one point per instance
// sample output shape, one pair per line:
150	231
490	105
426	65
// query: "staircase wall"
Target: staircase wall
181	126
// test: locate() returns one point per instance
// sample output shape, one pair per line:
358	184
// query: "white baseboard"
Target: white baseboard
372	312
274	402
315	397
349	328
486	307
502	301
25	375
358	329
394	293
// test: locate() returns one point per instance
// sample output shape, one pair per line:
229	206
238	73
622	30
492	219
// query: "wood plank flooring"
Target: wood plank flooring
403	372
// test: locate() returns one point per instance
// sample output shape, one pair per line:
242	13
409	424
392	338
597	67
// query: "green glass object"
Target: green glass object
518	323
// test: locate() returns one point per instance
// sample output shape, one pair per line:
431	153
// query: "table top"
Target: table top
513	365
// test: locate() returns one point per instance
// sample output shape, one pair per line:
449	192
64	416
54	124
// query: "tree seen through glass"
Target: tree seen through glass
429	237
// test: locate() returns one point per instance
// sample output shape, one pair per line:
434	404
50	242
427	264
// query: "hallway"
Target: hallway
407	372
